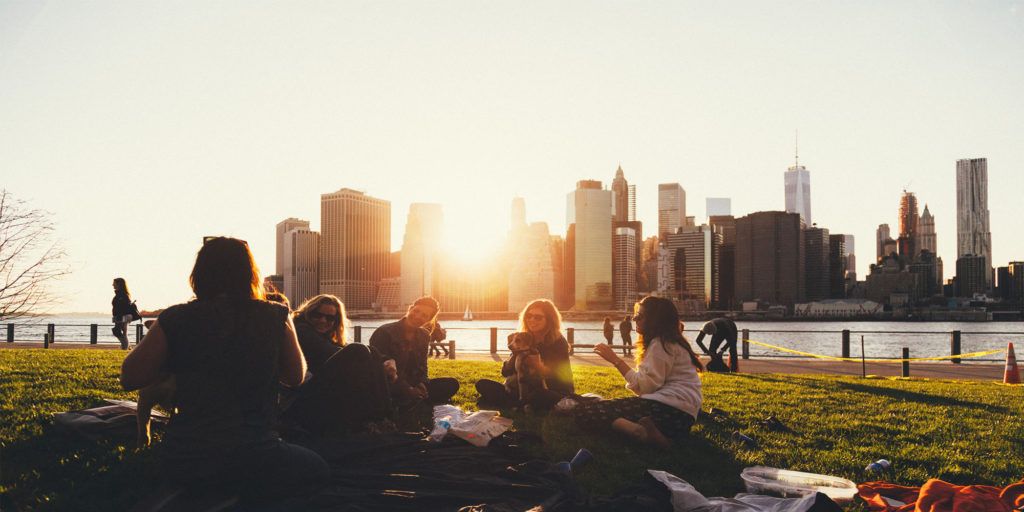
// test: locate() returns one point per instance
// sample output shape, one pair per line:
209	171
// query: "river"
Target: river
881	339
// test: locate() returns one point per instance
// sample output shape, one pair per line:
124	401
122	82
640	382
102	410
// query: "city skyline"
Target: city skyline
144	127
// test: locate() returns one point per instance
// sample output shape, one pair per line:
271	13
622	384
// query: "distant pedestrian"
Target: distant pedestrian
438	335
721	330
123	311
625	330
609	330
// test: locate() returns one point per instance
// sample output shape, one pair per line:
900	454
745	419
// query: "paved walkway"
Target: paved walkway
930	370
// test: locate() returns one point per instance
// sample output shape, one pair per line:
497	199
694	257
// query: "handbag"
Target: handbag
135	313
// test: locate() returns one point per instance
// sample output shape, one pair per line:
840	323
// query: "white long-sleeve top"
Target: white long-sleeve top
668	376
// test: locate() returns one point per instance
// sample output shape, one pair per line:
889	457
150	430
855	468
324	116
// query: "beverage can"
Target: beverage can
878	465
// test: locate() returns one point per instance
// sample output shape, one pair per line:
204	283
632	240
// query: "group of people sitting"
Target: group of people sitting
246	366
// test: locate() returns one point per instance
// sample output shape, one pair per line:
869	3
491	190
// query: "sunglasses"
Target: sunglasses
530	316
316	315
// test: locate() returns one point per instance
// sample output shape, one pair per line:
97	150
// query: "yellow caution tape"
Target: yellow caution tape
808	354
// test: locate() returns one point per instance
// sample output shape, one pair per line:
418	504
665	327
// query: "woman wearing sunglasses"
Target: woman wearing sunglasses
541	321
348	386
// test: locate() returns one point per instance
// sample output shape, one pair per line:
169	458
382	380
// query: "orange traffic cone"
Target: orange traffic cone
1012	374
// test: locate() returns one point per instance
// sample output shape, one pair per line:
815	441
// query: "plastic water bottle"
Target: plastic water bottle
439	430
878	465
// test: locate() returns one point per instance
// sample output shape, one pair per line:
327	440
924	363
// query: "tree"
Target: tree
30	258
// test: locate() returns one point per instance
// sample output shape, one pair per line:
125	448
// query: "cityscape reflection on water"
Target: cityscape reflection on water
881	339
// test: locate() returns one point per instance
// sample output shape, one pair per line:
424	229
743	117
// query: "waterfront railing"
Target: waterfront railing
583	339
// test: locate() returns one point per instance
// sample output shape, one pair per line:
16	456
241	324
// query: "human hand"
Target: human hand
421	390
391	370
606	353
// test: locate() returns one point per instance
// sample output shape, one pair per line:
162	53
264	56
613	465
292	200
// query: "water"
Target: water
881	339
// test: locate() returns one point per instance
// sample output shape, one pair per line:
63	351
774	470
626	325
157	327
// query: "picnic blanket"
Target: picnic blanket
938	496
402	472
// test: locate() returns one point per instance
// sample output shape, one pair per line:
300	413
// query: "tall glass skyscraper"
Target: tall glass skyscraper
798	192
973	237
589	208
355	246
671	208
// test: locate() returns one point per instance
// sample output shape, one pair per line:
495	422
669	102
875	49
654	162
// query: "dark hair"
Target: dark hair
278	297
551	314
313	303
661	321
224	266
120	286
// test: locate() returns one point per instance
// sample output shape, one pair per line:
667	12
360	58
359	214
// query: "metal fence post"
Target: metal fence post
570	335
138	333
954	346
746	344
846	343
92	334
494	340
358	333
906	364
10	333
49	336
451	349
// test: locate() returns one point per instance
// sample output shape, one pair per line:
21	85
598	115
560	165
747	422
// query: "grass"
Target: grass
962	432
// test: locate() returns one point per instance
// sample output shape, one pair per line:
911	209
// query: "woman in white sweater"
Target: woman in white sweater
665	380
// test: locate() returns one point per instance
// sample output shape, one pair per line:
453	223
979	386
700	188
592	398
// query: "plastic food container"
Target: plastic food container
761	479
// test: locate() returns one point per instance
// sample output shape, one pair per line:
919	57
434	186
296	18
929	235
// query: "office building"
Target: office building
671	208
718	206
589	211
624	253
420	251
695	268
973	237
620	197
908	239
926	232
836	267
770	258
531	272
632	203
970	276
817	265
850	258
798	192
882	237
355	246
301	265
283	227
726	225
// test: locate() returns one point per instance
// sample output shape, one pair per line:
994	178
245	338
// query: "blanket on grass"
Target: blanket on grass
938	496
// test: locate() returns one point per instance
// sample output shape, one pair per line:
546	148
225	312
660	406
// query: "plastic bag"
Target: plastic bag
480	427
444	417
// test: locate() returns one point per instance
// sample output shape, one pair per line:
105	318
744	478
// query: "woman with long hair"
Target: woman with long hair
121	311
229	350
542	323
348	387
666	381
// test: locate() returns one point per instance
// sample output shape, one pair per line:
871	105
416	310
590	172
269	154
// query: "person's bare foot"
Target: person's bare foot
654	436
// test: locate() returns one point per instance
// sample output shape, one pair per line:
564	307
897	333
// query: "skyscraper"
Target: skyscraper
926	232
355	245
589	210
798	191
420	249
301	265
283	227
817	265
620	197
770	258
881	237
531	273
973	237
624	267
850	257
632	202
718	206
695	269
671	208
908	228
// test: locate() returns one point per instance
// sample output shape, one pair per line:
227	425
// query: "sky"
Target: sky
143	126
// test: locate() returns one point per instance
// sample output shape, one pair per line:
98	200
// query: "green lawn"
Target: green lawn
962	432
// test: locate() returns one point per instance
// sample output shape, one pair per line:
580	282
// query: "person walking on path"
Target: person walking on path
625	330
406	343
721	330
609	331
665	380
123	310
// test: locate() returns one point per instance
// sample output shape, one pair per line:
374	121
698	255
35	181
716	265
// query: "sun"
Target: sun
473	240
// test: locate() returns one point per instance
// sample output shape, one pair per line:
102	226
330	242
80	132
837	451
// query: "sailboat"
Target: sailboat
468	315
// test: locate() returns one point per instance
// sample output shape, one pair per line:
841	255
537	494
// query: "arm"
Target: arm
652	372
145	365
608	354
291	363
700	342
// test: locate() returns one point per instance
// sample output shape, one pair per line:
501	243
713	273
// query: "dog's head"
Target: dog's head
522	342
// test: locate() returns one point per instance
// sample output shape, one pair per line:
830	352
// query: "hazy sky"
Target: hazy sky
144	126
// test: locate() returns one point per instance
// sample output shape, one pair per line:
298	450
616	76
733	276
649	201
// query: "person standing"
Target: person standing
406	343
609	331
122	310
665	380
625	330
721	330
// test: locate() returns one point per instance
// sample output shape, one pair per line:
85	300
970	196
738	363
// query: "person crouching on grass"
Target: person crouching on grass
406	342
666	381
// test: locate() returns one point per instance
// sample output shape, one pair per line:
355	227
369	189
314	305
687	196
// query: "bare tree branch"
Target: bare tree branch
30	259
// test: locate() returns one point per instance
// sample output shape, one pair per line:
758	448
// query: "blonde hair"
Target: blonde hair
314	303
551	314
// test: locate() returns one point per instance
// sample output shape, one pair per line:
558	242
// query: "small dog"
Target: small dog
159	393
529	375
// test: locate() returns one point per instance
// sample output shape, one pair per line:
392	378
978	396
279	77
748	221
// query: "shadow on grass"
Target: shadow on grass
922	398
